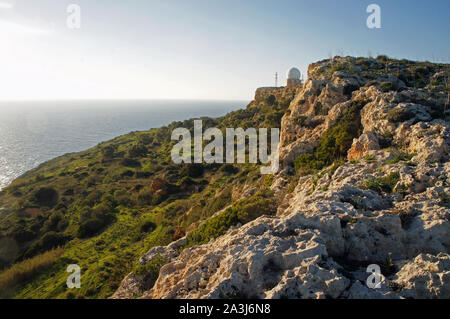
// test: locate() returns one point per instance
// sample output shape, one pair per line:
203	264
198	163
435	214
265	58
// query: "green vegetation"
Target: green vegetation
242	212
150	271
401	156
384	184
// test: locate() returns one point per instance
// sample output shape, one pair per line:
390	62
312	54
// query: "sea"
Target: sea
32	132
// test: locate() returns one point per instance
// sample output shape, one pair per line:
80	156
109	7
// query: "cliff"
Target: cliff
365	180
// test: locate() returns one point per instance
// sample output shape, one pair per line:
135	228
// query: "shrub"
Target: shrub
137	150
52	239
217	203
270	100
319	109
93	198
130	162
22	234
273	119
213	228
242	211
145	139
383	184
252	208
382	58
52	223
109	151
308	161
145	196
127	173
46	197
195	170
399	115
186	181
401	156
48	241
150	270
122	197
387	86
27	269
228	169
90	227
147	226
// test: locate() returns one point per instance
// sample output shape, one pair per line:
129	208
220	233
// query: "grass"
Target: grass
27	269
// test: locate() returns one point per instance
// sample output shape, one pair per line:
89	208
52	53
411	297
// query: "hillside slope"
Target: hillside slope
108	205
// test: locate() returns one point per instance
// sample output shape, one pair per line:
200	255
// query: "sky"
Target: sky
198	49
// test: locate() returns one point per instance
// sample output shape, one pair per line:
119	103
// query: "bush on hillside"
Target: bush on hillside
137	150
147	226
46	196
48	241
90	227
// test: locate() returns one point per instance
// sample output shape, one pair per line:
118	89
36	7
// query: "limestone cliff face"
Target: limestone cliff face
278	93
387	204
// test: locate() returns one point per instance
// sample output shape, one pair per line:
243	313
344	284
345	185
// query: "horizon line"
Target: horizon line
121	99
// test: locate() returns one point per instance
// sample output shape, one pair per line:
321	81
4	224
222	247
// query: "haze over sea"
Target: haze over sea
34	132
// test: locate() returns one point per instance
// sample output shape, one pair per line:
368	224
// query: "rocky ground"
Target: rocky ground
386	204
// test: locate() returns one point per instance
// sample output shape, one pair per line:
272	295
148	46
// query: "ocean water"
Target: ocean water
34	132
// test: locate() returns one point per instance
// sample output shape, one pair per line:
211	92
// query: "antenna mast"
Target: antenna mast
276	79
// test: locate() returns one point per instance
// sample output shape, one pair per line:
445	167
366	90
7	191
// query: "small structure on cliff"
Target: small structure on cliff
293	84
293	77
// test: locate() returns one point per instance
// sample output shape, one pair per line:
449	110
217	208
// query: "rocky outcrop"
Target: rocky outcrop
366	142
388	204
262	259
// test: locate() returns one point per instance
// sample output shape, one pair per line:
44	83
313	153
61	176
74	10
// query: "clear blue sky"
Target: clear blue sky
209	49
